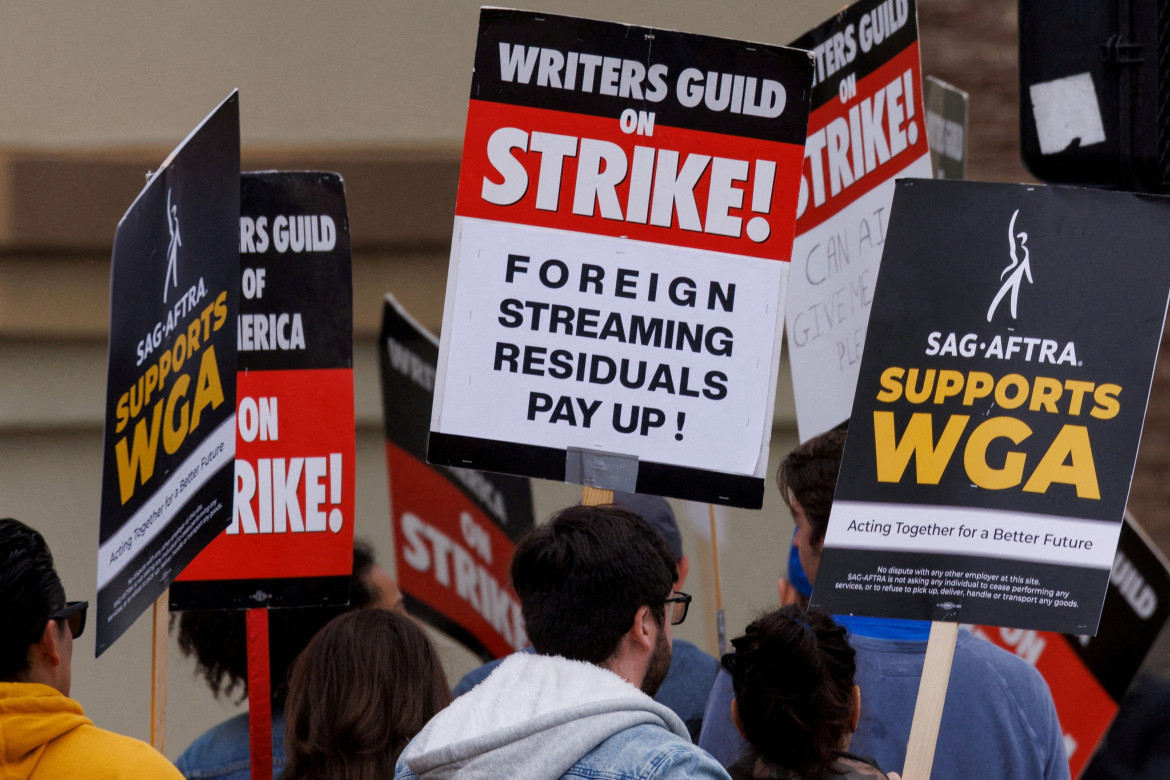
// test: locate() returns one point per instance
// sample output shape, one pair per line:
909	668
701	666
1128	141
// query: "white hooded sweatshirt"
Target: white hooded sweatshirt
539	717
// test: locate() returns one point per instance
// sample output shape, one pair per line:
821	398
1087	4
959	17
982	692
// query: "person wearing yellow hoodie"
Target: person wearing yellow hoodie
43	733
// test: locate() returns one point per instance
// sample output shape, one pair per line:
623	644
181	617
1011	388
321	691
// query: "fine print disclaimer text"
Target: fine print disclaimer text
964	584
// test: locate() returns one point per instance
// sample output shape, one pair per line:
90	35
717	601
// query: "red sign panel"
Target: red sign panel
294	480
290	542
451	557
673	185
454	529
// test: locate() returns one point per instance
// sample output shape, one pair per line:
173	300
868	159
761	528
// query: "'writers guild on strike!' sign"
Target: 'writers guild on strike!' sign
999	406
290	542
865	131
625	217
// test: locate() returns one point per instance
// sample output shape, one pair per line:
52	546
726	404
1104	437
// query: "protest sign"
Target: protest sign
290	542
454	529
1088	676
946	128
999	406
625	214
171	381
866	129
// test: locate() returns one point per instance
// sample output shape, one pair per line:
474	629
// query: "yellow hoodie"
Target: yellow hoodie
46	736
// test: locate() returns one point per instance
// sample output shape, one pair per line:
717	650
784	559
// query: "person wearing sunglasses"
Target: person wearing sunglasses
44	733
596	590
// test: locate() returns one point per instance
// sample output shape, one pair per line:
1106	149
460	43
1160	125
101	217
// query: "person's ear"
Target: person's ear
856	714
684	566
736	719
644	632
788	593
45	654
51	640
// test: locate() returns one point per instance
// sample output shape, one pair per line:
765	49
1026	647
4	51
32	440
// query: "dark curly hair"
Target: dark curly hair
218	638
792	672
366	684
808	475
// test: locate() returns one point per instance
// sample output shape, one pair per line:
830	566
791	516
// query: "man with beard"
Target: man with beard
692	672
596	588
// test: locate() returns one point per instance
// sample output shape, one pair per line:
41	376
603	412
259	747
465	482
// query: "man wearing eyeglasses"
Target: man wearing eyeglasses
596	588
692	672
44	733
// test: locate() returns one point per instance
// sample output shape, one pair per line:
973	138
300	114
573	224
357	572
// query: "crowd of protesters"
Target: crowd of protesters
604	691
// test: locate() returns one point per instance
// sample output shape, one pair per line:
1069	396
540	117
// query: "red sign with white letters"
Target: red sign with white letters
626	210
294	480
451	557
454	529
681	187
867	128
290	542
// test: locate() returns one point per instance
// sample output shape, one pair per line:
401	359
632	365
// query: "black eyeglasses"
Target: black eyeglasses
679	603
72	613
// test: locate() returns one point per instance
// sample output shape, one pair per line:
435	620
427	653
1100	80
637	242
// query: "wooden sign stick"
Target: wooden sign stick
160	618
932	693
591	496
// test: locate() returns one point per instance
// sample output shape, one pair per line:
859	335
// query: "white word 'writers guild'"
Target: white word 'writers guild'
1013	275
172	277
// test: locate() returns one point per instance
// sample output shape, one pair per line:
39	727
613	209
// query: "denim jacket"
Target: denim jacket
223	752
541	718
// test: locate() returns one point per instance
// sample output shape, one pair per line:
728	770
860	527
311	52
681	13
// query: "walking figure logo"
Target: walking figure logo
173	248
1016	270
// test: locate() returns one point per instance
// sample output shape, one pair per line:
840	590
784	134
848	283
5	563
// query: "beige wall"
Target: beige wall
361	72
378	75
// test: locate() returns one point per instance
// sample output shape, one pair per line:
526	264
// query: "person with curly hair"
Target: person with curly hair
795	699
999	719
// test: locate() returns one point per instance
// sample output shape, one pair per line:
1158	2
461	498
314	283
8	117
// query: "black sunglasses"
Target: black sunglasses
74	614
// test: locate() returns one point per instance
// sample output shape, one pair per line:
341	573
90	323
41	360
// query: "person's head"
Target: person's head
36	643
365	685
218	638
807	478
593	584
656	511
795	699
